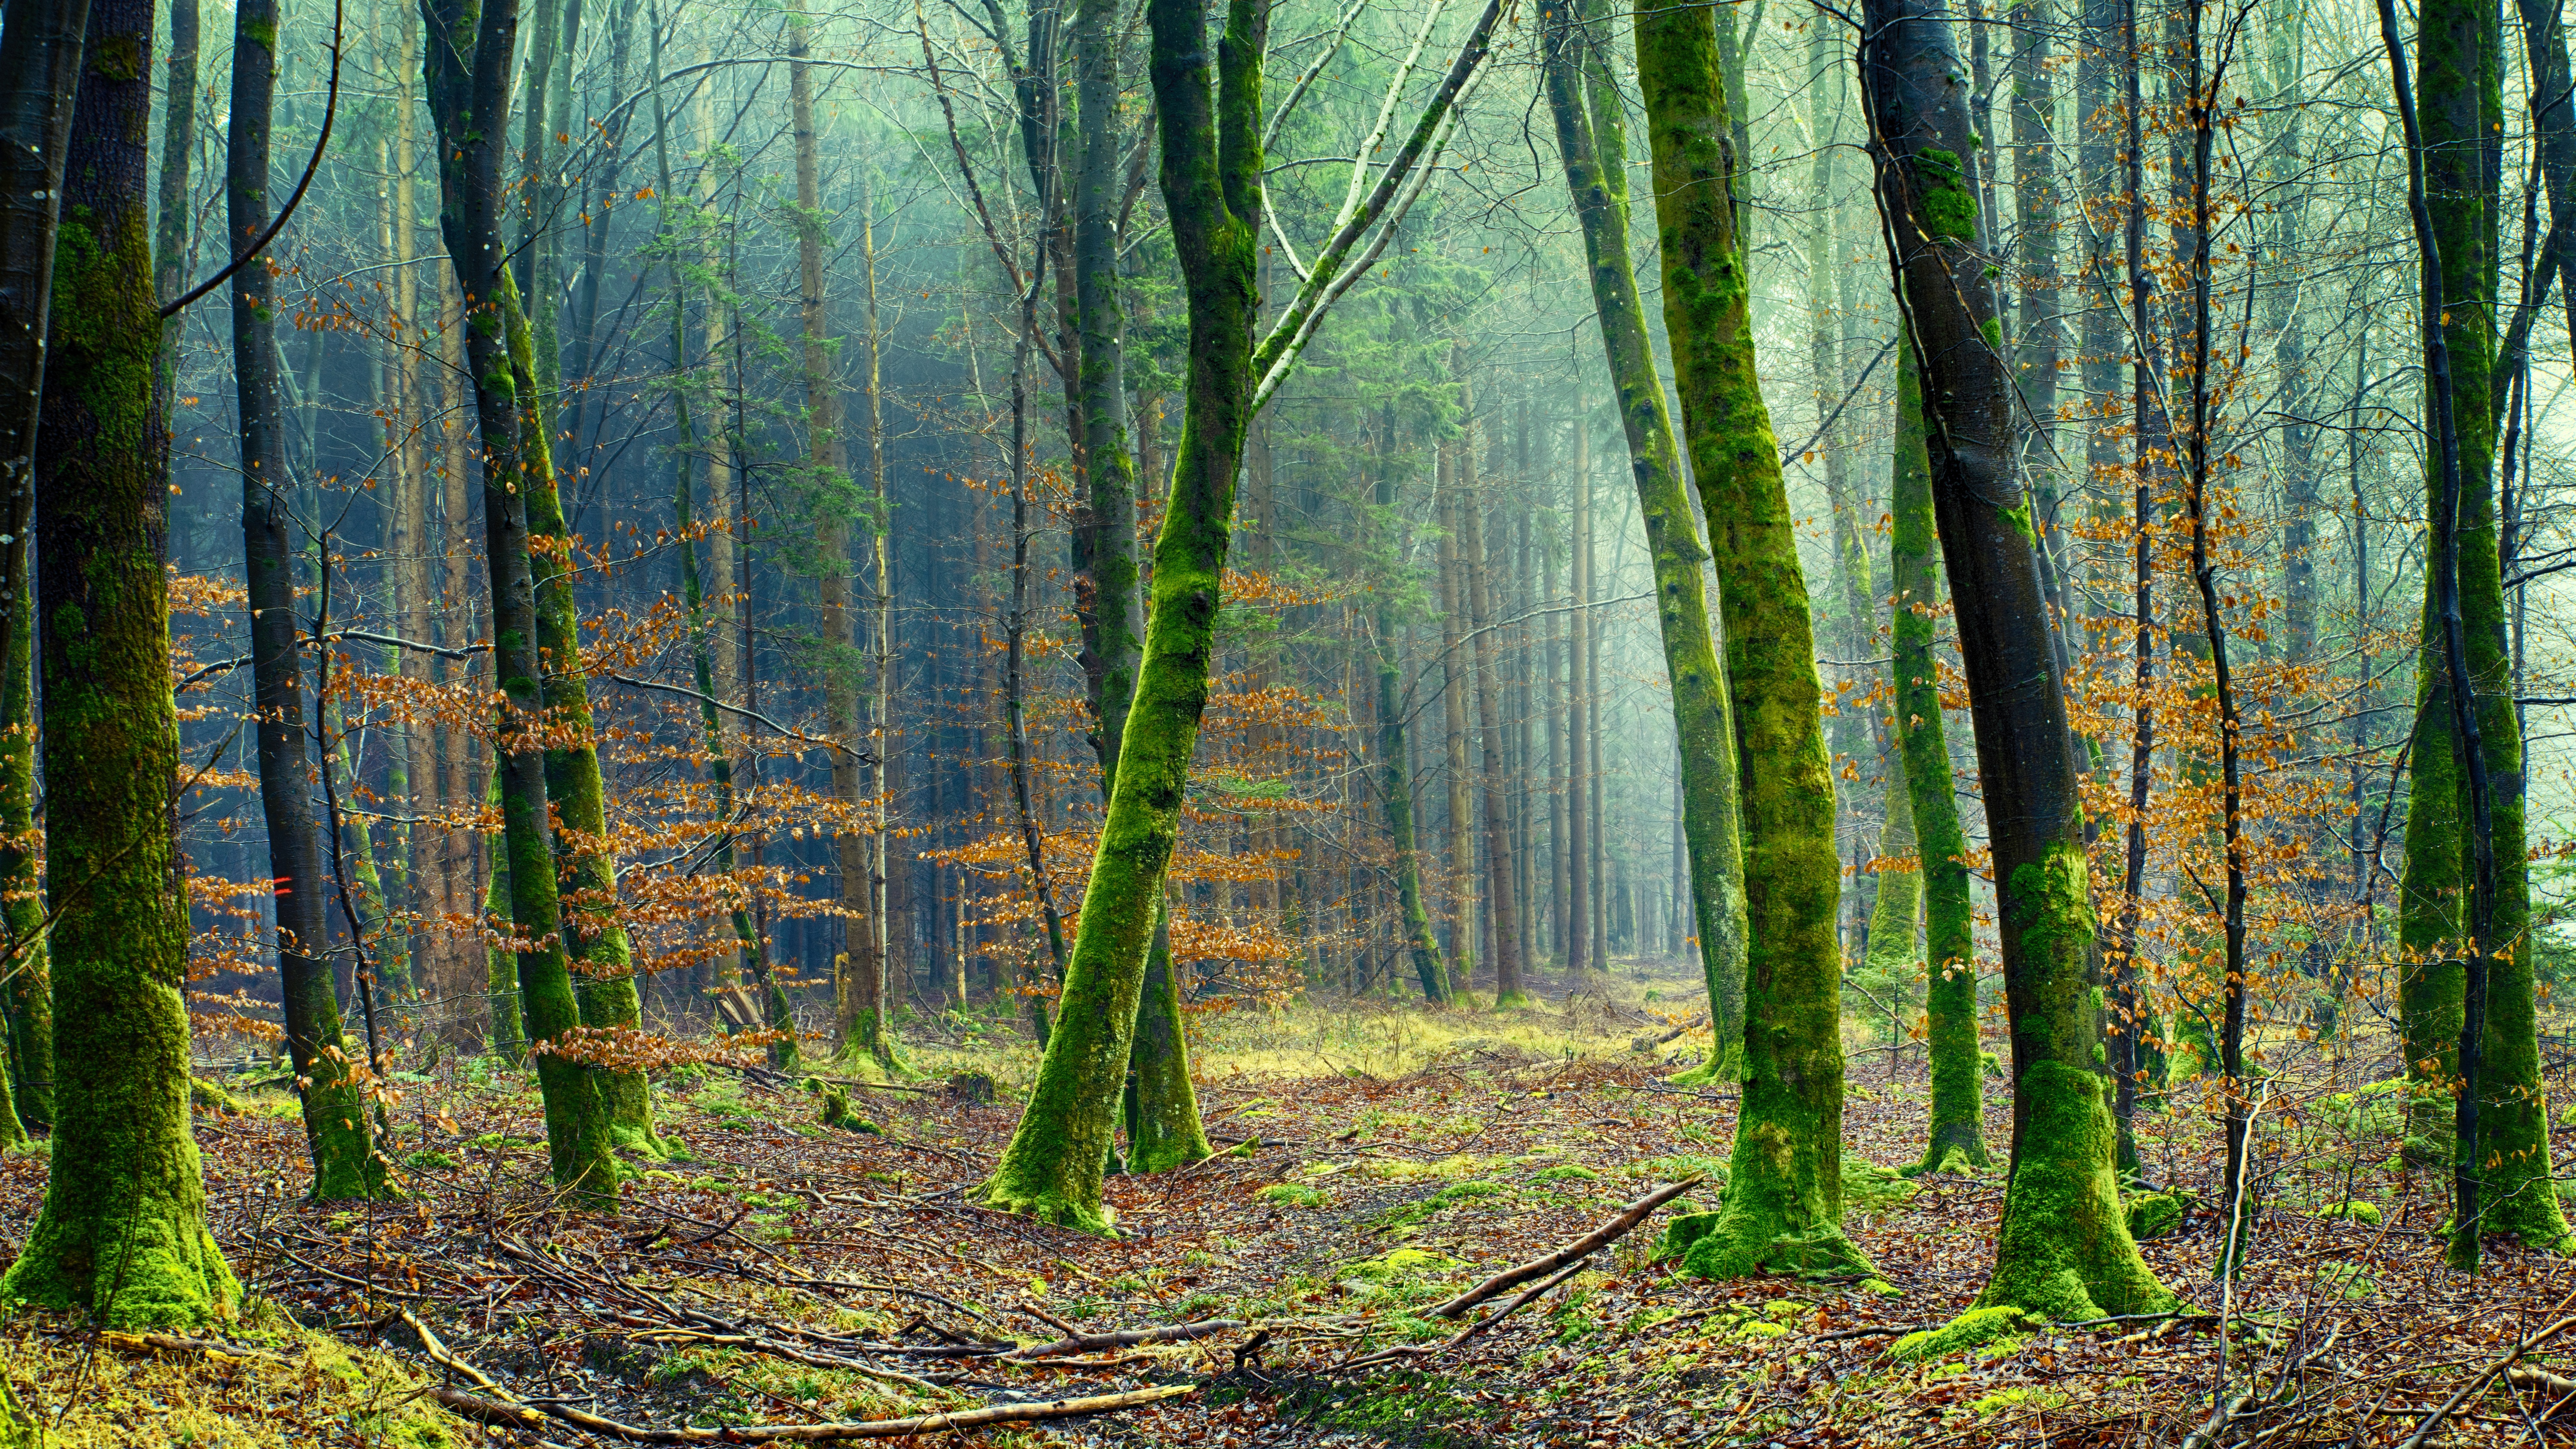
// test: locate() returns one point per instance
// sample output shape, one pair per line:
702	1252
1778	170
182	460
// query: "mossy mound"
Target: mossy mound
2352	1210
205	1096
1681	1232
1973	1329
2153	1215
835	1109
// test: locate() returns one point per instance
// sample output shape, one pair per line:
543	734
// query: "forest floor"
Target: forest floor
1378	1159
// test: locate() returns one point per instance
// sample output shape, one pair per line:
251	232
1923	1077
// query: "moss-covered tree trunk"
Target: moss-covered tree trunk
122	1232
2459	105
1784	1189
467	66
40	68
1592	142
2064	1248
1163	1126
335	1117
1395	766
1211	179
1957	1136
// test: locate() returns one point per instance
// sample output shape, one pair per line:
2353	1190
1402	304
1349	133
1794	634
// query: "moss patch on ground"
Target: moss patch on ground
287	1389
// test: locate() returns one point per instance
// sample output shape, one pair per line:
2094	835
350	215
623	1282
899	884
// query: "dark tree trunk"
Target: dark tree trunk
122	1232
2064	1247
345	1163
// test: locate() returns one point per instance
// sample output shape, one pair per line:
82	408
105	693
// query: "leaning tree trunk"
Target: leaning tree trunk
345	1163
1211	175
122	1232
1958	1114
1784	1197
2064	1248
468	83
1592	140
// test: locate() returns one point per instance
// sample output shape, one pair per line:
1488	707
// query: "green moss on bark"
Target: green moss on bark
1163	1126
2064	1251
1211	165
1784	1188
595	942
122	1232
1958	1130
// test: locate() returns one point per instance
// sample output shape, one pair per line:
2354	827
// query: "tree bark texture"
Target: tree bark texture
1211	178
2064	1248
122	1232
1783	1208
1592	143
467	81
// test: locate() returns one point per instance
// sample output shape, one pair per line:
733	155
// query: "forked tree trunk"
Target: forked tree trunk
1211	164
2064	1248
1784	1200
122	1232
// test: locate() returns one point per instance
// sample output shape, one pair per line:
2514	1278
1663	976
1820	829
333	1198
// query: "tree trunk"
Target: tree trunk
122	1232
1107	596
1957	1134
1395	782
40	67
1505	907
467	66
1211	187
2064	1248
1592	139
345	1163
1456	666
2501	1130
1783	1209
1575	783
859	984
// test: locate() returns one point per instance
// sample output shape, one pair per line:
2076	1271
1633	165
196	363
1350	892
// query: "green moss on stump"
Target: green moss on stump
2153	1215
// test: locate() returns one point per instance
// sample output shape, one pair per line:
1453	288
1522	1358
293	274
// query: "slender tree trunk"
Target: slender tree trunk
1108	596
1956	1139
1576	783
467	65
1783	1205
1591	140
859	994
1395	781
40	69
2064	1248
1211	153
122	1232
1499	872
1456	665
345	1163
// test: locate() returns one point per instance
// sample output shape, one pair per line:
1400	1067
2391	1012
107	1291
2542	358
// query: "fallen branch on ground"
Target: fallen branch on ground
2471	1389
1582	1247
517	1416
1644	1044
1085	1342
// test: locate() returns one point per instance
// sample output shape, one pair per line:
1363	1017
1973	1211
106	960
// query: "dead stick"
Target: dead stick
1084	1342
2433	1420
493	1411
1582	1247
